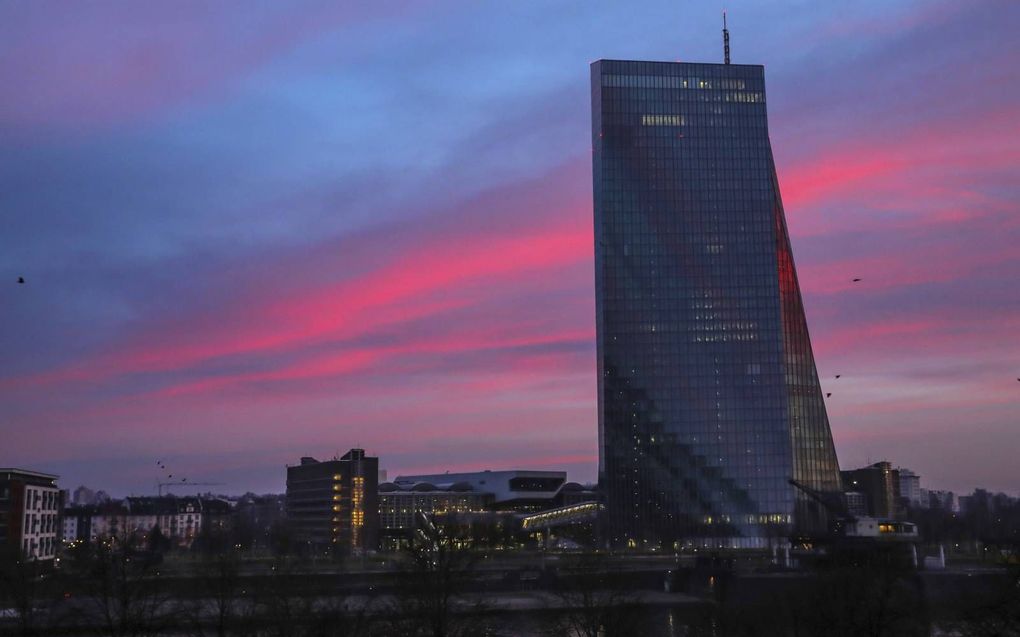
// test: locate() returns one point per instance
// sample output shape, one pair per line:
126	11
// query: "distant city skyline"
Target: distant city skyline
250	234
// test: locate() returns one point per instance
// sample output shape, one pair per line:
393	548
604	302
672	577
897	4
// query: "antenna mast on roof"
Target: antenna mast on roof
725	40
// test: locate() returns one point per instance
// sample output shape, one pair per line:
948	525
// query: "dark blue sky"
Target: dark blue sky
256	231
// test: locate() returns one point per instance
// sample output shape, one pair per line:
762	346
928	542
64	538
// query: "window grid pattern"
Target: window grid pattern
695	326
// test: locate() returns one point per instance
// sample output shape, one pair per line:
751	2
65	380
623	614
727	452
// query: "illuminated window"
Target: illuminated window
357	510
662	120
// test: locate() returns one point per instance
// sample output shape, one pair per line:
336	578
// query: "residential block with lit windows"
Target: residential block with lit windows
332	506
30	505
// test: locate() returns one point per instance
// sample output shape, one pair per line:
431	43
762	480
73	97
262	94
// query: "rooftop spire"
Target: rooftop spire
725	40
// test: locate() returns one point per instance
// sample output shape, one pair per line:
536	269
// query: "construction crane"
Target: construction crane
832	502
846	526
184	483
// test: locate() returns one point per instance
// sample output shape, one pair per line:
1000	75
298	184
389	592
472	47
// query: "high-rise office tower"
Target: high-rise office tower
709	401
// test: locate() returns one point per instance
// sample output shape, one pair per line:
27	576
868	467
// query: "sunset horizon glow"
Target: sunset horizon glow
251	233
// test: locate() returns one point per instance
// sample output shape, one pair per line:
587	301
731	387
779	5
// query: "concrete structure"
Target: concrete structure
492	508
516	490
333	505
910	487
399	504
856	503
30	513
570	514
880	484
945	500
708	397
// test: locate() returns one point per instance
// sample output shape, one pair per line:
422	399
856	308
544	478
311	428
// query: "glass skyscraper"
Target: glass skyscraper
709	401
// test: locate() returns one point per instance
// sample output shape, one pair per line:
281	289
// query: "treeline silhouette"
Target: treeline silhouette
125	588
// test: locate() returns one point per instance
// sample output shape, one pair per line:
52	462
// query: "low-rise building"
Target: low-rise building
108	520
399	504
484	508
30	505
180	519
513	490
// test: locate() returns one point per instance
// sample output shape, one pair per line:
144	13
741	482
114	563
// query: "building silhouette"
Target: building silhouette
880	484
332	506
708	396
910	487
30	505
516	490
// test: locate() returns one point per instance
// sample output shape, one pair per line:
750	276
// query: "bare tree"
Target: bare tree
337	617
595	600
998	616
280	606
27	589
222	606
124	592
435	577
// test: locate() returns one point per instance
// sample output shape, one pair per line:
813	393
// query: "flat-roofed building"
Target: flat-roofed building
910	487
512	490
333	505
880	484
30	505
400	503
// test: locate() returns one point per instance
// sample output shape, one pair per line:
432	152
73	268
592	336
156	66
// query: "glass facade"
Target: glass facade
709	401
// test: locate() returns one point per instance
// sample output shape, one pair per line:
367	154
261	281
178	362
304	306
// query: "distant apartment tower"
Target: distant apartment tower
880	484
708	397
945	500
30	513
333	505
910	487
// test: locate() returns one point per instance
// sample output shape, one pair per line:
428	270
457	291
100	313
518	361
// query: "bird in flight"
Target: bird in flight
856	280
21	280
838	375
828	394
